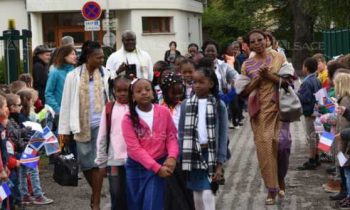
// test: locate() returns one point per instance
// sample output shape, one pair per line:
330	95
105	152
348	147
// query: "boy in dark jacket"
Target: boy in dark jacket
308	88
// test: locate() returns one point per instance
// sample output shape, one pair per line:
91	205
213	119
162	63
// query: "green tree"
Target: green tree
293	21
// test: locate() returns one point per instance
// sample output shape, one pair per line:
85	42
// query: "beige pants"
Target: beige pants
311	135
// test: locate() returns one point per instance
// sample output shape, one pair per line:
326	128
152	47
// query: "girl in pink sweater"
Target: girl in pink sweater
111	147
151	139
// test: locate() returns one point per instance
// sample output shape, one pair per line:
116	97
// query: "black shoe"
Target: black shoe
308	166
339	196
331	170
317	160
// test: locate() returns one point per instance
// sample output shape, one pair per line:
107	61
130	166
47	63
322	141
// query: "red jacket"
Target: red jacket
12	160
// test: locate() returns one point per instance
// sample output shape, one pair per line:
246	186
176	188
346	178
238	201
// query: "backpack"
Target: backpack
109	110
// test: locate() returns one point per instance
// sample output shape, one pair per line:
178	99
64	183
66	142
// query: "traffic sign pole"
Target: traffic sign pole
107	20
91	11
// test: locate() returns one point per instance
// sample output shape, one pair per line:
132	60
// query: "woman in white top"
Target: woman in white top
85	93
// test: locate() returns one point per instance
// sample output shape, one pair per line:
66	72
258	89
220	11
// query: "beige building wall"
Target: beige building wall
185	24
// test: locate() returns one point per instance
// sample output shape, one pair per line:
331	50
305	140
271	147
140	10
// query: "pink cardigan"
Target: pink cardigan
117	152
151	146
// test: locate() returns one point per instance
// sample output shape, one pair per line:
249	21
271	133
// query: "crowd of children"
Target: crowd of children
324	94
18	105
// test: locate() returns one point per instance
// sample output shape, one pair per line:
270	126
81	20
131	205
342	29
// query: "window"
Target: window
156	24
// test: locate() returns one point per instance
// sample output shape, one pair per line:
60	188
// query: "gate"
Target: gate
15	54
336	42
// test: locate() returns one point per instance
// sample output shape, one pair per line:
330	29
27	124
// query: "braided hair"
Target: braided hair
161	67
169	82
113	82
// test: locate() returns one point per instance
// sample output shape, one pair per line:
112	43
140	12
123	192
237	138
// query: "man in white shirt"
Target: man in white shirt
130	60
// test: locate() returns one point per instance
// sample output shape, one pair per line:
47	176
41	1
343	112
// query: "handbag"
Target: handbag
66	169
290	108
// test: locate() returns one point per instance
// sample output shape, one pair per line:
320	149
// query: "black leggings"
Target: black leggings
236	110
117	187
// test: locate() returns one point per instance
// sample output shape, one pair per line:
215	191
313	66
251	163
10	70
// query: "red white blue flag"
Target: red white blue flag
4	192
326	140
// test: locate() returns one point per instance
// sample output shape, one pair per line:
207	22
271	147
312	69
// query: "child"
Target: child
177	63
187	68
329	120
28	79
4	89
3	153
151	139
16	86
17	138
203	138
159	68
342	92
322	69
308	88
111	147
173	93
26	96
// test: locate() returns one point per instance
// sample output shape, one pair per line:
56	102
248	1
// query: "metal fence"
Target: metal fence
336	42
15	54
2	62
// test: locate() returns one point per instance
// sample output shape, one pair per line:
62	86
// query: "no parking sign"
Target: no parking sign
91	10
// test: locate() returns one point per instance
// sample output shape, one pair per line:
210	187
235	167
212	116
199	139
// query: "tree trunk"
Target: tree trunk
303	27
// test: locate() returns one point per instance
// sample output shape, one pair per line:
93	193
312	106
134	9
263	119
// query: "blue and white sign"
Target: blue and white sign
92	25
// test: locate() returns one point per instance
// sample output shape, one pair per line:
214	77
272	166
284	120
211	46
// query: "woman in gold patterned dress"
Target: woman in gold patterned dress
263	107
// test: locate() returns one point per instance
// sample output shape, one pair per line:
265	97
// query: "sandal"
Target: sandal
270	201
281	194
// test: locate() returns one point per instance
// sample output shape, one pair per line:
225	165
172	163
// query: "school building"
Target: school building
155	22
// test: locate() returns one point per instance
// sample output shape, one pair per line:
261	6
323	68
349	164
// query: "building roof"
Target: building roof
76	5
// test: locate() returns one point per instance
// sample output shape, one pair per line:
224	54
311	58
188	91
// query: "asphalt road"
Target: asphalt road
243	190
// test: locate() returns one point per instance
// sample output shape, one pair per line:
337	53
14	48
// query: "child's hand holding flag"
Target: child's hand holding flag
326	140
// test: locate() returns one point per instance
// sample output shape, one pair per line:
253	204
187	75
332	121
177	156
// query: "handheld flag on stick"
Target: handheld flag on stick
48	135
4	192
330	105
37	141
326	140
29	160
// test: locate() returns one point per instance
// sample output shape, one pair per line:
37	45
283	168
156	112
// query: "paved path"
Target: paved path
244	189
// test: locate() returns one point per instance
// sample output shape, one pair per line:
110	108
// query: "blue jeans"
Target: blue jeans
347	175
34	178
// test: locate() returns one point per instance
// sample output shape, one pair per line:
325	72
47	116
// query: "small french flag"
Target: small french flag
326	140
4	192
